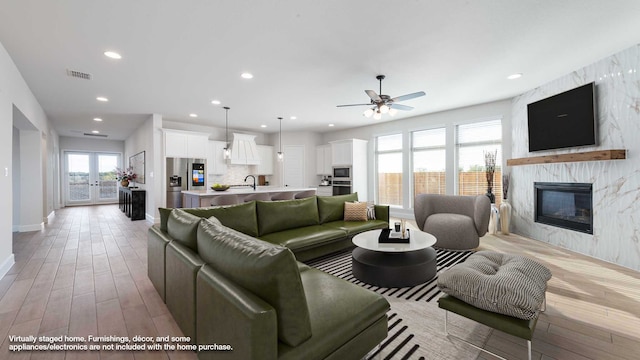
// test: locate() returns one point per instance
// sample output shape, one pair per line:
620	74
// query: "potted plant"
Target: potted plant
125	175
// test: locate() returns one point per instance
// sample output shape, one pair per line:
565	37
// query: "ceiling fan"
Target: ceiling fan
383	104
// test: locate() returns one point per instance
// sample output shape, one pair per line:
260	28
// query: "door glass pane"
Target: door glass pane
107	184
78	177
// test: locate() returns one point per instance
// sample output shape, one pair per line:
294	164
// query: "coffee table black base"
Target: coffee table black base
394	269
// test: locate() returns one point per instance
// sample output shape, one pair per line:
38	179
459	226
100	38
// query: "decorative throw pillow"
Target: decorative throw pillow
355	211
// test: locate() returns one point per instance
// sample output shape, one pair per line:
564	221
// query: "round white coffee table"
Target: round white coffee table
393	264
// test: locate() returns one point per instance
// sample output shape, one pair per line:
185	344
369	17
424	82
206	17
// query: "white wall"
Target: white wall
616	184
448	119
307	139
143	140
68	143
14	92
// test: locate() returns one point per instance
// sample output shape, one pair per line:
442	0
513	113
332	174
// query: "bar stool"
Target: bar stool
224	200
257	196
305	194
285	195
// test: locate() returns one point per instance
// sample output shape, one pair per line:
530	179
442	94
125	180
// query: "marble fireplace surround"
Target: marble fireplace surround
616	183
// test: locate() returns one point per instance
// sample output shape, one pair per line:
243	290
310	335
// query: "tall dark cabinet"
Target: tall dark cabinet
132	202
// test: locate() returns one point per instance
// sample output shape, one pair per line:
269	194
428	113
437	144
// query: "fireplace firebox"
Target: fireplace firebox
565	205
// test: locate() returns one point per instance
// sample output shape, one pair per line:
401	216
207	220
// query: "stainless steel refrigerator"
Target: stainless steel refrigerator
184	174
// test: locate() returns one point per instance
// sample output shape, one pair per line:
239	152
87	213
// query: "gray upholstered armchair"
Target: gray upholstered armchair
457	222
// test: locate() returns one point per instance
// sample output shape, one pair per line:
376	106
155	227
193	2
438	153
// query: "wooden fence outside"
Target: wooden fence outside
469	183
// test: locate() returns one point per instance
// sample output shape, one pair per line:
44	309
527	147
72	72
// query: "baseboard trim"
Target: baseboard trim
51	215
150	218
6	265
32	227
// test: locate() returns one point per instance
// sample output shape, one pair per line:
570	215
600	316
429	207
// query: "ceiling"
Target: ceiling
306	56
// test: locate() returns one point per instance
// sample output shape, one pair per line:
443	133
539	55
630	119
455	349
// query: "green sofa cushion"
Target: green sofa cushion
182	227
308	236
164	217
274	216
339	312
355	227
331	208
241	217
267	270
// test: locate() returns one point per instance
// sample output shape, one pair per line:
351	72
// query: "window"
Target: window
473	141
389	165
429	161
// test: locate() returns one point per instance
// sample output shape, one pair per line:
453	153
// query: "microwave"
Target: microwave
341	173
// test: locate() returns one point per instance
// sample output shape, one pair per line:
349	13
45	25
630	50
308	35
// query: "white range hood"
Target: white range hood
244	150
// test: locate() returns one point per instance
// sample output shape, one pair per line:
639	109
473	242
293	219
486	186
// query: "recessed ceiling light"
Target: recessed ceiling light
215	102
95	131
263	126
97	119
331	125
113	55
293	118
102	98
193	115
247	75
514	76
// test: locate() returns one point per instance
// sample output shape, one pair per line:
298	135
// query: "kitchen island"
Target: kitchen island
203	198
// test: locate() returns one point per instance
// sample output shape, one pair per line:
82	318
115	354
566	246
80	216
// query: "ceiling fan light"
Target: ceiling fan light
393	112
384	109
377	115
368	113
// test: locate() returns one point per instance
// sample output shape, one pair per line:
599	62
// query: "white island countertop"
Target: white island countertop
244	190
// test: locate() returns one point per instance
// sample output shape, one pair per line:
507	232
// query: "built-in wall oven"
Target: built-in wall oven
341	187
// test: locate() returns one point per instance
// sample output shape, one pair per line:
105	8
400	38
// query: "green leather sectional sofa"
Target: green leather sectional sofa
229	276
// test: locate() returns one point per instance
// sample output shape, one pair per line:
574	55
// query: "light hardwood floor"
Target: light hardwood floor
85	273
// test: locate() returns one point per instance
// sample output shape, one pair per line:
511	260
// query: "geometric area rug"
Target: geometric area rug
413	332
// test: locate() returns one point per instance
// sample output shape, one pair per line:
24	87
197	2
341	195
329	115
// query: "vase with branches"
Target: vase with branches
505	207
489	170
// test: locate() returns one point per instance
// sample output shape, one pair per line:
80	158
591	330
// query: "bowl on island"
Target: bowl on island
220	187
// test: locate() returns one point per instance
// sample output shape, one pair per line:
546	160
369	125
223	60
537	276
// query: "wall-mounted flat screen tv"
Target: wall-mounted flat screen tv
564	120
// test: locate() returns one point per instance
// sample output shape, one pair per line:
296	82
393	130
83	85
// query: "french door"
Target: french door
90	178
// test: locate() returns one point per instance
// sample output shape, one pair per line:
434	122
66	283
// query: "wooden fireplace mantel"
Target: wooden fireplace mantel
617	154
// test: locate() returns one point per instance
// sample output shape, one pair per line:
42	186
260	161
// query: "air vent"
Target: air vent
79	74
96	135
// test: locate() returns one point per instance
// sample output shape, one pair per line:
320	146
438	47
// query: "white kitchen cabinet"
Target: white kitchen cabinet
184	144
353	153
324	161
175	144
324	191
266	160
216	164
342	153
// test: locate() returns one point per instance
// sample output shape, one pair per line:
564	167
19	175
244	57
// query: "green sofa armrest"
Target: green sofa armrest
182	266
156	255
231	315
382	212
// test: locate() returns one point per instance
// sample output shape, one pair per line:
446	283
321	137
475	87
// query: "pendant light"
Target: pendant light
280	153
227	151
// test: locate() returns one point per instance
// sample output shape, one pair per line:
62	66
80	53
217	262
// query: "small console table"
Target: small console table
132	202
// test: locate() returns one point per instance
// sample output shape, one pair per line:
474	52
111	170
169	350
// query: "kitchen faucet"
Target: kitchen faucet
254	181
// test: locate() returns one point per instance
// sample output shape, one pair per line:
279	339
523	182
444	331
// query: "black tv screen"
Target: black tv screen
563	120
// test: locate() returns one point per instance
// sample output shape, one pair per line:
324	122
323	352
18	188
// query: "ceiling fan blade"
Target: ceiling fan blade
409	96
401	107
372	94
369	104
